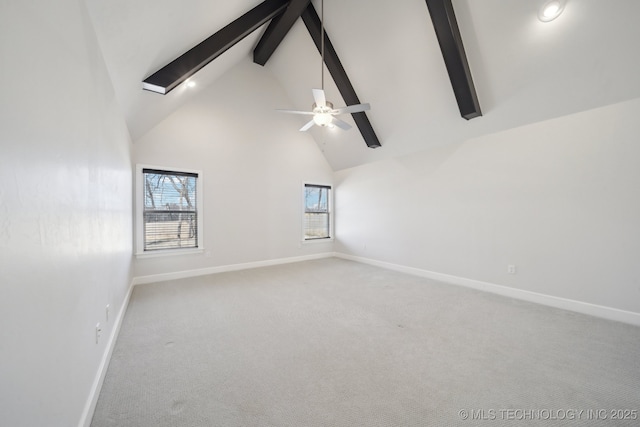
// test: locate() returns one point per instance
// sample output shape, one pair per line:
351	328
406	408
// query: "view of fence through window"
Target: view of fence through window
316	212
170	214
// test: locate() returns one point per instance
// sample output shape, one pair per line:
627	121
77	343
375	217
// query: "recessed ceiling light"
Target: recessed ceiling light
550	10
191	83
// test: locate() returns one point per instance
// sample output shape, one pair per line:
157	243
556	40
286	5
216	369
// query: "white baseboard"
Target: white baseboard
90	406
225	268
548	300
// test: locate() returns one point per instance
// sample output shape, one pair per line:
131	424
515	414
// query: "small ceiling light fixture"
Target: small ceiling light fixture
550	10
191	83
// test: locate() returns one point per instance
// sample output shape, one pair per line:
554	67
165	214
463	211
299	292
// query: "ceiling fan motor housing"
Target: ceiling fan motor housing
327	108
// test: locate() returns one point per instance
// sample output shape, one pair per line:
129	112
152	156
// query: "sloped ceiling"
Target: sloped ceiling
524	70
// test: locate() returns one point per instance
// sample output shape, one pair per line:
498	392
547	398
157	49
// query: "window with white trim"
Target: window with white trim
169	211
317	221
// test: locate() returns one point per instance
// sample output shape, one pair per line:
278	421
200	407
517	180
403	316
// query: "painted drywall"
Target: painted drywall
254	163
65	212
557	199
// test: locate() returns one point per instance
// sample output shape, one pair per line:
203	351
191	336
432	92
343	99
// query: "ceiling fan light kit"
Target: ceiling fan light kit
322	115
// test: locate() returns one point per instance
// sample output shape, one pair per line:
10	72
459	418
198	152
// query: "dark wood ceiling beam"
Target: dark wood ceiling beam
450	40
339	75
277	30
183	67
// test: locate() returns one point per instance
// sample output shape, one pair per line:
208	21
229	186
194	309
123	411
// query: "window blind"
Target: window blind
316	212
170	214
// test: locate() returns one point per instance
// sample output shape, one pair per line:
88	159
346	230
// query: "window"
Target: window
317	212
169	218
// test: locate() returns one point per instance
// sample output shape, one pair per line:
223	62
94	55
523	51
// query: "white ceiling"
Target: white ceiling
524	70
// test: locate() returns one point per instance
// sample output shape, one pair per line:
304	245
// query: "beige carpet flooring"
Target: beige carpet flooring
337	343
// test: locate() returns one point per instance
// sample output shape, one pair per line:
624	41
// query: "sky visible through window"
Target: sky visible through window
316	199
166	191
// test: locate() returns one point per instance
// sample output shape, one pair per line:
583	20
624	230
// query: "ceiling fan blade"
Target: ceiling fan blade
319	98
357	108
340	123
307	126
310	113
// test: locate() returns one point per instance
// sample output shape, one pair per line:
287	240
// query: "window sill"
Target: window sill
169	252
317	241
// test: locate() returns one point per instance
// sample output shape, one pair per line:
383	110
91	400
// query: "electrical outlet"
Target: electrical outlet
511	269
98	332
106	314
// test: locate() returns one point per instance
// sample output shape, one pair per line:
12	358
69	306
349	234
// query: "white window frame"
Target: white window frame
330	207
139	211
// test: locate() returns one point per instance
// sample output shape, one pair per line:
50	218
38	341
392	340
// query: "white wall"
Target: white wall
254	162
65	211
558	199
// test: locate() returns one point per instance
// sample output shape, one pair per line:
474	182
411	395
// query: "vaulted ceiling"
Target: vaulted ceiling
524	70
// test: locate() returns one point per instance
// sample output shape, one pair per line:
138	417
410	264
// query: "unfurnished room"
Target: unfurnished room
319	213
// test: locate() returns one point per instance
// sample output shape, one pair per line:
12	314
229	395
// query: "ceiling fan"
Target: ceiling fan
322	110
